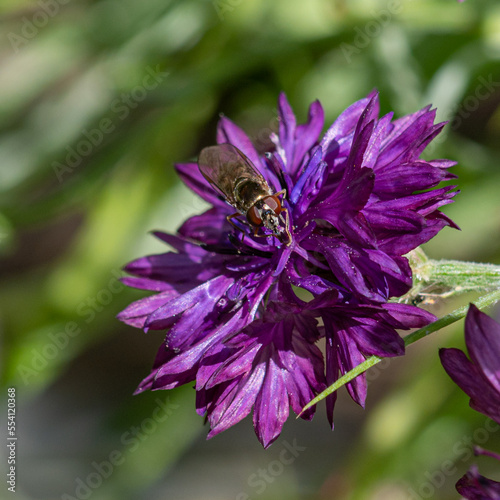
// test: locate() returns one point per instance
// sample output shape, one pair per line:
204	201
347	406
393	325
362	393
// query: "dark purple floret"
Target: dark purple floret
479	378
474	486
244	311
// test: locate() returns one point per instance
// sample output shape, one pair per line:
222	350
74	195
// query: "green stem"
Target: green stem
481	303
444	278
466	276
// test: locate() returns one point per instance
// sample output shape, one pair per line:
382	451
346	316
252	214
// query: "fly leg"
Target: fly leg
286	221
232	216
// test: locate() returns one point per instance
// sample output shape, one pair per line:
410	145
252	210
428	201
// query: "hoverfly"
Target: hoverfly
233	176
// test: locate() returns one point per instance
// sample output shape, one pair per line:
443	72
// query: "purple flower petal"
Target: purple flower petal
478	379
482	336
136	313
405	316
349	357
206	294
375	338
465	374
287	127
405	178
147	284
473	486
228	132
238	403
344	124
332	374
271	405
211	227
307	134
191	176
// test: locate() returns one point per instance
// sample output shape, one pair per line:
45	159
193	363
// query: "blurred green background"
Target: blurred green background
98	99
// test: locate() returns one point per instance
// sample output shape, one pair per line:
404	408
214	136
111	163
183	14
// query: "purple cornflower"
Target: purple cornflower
473	486
233	302
479	378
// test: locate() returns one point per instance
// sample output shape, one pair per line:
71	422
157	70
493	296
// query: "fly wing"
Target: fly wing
223	165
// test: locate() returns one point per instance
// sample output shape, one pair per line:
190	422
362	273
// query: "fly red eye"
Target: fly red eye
274	203
253	216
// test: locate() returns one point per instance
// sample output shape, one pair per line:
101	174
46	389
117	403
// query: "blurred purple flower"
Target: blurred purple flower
480	380
473	486
358	199
480	377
